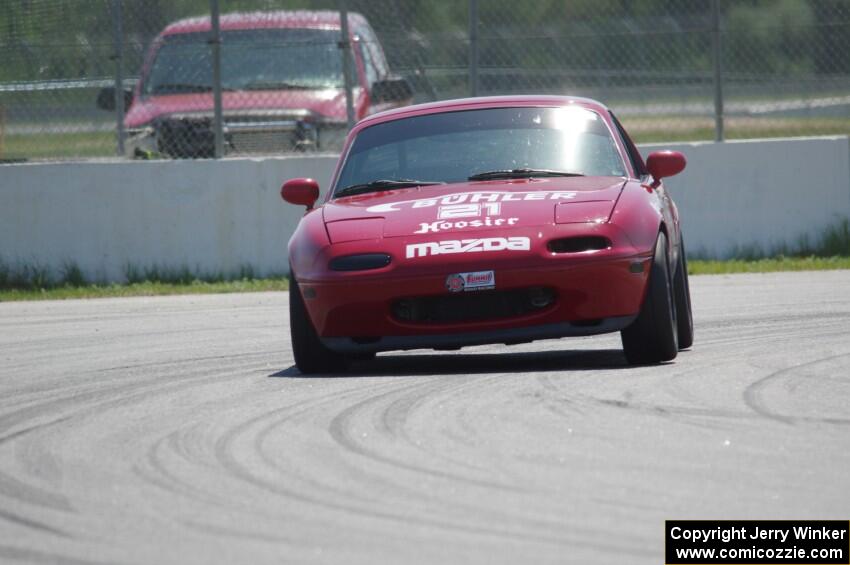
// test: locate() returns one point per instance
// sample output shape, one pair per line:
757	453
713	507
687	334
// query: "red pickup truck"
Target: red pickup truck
282	85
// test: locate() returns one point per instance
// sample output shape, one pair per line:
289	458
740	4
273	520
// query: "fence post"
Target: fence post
215	43
118	57
717	50
473	47
345	52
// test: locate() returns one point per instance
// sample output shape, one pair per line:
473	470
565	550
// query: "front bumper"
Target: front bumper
508	336
595	292
191	137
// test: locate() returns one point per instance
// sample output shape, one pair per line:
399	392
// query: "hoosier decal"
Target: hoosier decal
438	226
450	246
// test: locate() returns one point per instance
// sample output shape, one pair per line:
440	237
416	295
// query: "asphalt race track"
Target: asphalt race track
175	430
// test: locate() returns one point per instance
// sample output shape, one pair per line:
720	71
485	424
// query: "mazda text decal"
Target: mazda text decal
467	246
471	198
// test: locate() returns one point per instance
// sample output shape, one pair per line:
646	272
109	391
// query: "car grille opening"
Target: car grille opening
263	132
579	244
473	306
185	138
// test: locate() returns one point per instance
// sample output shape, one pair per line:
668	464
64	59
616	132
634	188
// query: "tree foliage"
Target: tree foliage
47	39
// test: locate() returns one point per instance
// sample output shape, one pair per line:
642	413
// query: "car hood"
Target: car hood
470	206
326	103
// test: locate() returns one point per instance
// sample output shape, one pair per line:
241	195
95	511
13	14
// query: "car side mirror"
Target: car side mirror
301	192
106	99
391	90
663	164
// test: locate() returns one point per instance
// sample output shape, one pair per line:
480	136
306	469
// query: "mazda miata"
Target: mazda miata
488	220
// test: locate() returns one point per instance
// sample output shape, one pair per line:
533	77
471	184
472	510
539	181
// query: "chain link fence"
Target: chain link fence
151	78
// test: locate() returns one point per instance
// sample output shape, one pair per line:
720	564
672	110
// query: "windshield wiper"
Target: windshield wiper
276	85
181	87
521	174
383	184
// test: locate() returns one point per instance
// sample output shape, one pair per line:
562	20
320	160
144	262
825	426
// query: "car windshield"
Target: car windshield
454	146
257	59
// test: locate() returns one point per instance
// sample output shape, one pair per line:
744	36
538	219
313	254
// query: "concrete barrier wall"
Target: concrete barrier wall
209	216
761	193
217	216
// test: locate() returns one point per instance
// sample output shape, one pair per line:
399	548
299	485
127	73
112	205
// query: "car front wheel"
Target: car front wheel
311	356
653	336
682	292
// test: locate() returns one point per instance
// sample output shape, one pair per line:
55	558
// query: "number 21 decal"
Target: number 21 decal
453	211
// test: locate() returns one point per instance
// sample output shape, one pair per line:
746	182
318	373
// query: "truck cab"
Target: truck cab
281	80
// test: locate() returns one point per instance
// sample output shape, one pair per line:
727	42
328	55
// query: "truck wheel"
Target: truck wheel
311	356
653	336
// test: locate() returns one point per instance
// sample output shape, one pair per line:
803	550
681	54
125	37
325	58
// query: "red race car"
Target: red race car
488	220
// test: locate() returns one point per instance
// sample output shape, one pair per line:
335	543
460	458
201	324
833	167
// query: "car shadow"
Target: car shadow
475	363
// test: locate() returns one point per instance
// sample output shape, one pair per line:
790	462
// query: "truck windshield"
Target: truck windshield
484	144
257	59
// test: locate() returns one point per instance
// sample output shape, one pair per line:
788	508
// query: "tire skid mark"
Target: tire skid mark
252	535
30	523
187	361
537	526
693	416
33	428
367	507
221	448
155	471
570	404
754	335
396	415
567	403
357	510
340	430
224	453
754	394
276	425
33	556
81	406
13	488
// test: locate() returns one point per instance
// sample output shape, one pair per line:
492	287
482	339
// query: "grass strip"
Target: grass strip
159	288
148	288
767	265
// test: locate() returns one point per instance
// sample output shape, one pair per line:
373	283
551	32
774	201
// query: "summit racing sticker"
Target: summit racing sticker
471	198
450	246
466	282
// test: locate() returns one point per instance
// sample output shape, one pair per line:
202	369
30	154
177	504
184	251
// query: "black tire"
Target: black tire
653	336
365	356
682	293
311	356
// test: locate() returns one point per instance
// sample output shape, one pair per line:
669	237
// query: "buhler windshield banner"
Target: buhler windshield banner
765	542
